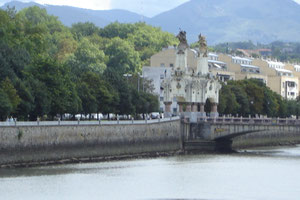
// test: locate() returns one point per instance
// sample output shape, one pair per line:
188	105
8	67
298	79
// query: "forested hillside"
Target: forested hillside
48	69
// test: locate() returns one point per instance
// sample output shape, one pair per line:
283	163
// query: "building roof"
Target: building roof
213	55
275	63
250	66
297	66
216	62
239	58
284	70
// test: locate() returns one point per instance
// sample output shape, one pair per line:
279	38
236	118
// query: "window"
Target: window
161	98
162	64
292	93
171	65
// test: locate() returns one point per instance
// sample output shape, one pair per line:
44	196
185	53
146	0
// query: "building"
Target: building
282	78
182	79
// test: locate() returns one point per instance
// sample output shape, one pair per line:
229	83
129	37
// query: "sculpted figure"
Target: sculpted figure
202	45
182	39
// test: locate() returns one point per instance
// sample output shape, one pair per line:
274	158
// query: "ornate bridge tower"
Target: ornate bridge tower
191	88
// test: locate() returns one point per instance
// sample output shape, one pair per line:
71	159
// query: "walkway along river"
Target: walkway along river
256	174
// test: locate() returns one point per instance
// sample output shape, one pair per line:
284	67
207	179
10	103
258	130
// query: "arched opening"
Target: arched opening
208	105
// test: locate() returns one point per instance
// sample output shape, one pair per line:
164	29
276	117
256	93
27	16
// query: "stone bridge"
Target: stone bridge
217	134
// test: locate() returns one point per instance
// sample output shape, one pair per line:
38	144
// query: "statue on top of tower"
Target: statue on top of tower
183	41
203	45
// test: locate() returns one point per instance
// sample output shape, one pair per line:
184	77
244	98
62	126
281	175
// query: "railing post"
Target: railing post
58	121
99	121
118	119
38	121
158	119
15	121
78	121
132	120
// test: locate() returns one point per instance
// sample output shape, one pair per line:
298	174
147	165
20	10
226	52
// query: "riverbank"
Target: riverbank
41	145
92	159
267	138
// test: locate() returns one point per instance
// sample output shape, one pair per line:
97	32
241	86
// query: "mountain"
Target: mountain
219	20
234	20
70	15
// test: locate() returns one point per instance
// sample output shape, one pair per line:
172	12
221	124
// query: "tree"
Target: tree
55	81
27	100
5	105
14	99
84	29
117	29
87	57
227	101
122	57
148	40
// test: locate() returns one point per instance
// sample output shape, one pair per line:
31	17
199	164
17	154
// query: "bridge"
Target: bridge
217	134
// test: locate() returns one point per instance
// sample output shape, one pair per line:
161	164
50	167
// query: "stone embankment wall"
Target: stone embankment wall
28	144
267	138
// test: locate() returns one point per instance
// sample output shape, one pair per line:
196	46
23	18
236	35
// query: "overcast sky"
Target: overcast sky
148	8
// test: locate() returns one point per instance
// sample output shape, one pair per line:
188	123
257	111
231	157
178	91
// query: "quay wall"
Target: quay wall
29	144
282	136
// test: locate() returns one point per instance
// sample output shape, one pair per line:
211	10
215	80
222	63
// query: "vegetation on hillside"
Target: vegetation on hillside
281	51
48	69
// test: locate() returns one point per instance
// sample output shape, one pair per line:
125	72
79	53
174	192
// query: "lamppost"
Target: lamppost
140	76
127	75
252	109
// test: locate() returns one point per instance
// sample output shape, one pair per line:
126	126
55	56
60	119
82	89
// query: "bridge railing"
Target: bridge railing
241	120
82	123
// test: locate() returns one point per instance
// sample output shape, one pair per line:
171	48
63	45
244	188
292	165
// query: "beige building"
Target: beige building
280	77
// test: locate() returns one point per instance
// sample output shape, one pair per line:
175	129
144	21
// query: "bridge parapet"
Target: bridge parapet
241	120
230	127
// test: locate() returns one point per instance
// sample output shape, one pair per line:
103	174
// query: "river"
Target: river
253	174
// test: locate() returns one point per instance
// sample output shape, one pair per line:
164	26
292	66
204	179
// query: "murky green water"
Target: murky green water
257	174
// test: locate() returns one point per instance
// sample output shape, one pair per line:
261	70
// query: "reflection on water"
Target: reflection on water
251	174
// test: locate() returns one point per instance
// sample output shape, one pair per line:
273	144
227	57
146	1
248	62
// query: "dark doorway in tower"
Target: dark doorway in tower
207	107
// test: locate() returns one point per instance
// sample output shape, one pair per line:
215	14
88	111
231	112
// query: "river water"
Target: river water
257	174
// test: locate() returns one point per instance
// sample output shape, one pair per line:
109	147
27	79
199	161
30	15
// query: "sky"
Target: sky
147	8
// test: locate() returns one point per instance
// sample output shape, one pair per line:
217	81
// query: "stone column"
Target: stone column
214	110
194	114
180	107
202	111
188	107
202	107
194	107
167	109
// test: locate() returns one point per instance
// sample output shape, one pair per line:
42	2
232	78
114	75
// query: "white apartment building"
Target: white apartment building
275	65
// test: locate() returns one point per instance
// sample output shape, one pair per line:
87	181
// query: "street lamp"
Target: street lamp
140	76
127	75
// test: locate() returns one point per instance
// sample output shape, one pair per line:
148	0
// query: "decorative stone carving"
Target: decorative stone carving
203	45
183	42
187	86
